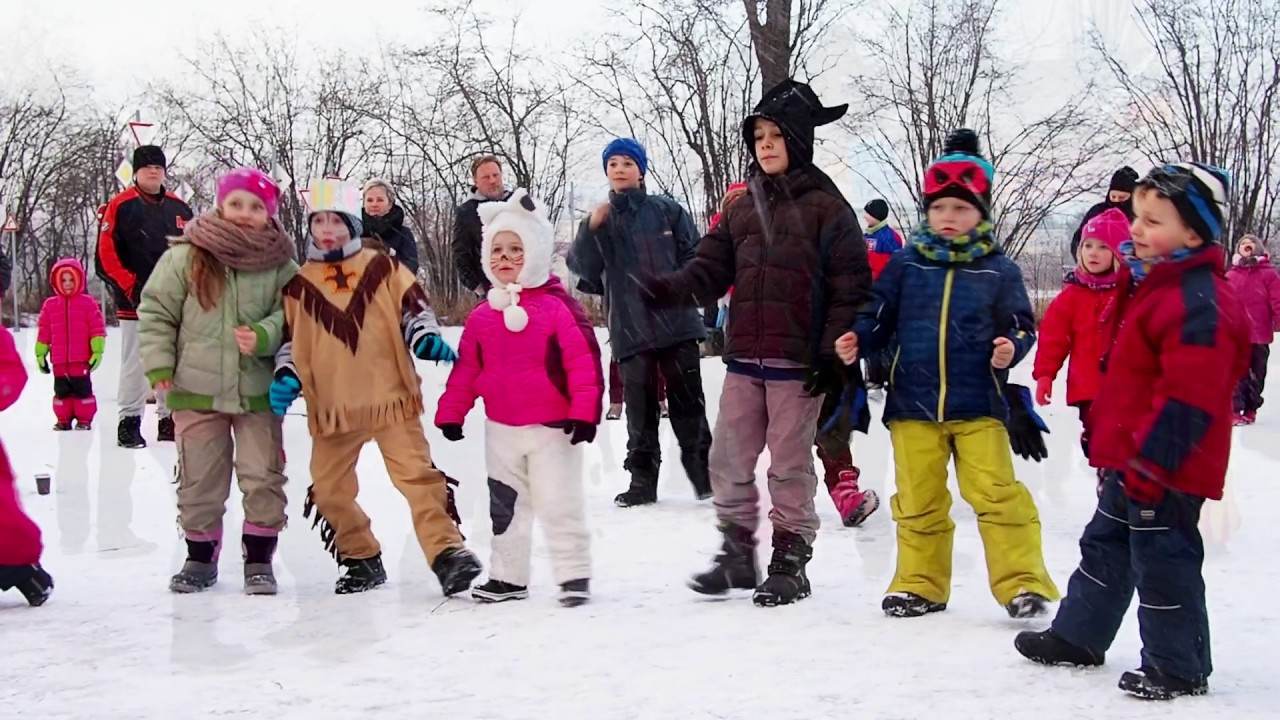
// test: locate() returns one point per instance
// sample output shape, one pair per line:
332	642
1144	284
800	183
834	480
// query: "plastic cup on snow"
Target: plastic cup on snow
43	483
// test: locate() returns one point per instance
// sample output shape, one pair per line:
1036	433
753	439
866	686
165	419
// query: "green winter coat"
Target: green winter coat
196	348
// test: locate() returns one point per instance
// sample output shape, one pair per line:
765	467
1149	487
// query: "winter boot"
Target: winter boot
615	412
259	578
575	593
31	580
195	576
80	425
455	568
1245	418
854	505
905	604
1151	684
1028	605
644	487
1049	648
164	429
129	433
496	591
787	581
61	426
734	568
360	575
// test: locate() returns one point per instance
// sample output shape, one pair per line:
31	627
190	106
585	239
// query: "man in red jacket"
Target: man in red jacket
133	232
1162	423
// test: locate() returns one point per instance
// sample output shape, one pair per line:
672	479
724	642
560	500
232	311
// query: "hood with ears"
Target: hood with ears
62	266
518	214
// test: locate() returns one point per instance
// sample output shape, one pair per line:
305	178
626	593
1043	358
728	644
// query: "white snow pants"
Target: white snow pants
131	395
534	470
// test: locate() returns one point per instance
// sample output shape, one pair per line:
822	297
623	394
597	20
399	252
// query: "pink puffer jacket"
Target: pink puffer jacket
69	321
1258	286
545	374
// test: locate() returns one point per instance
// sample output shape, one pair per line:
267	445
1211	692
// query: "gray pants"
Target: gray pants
131	396
755	414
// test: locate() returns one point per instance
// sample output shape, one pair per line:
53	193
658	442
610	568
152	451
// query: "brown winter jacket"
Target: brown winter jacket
794	254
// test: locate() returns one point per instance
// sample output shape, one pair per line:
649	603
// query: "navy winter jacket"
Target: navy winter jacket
947	317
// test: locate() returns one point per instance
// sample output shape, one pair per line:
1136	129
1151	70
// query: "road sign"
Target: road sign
124	173
10	225
143	132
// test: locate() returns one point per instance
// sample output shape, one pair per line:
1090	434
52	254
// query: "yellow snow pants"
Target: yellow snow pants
1007	517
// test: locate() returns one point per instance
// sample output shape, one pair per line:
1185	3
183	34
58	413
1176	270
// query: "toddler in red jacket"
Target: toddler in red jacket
1080	320
1162	437
70	343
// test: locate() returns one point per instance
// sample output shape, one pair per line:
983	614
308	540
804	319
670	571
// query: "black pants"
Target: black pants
679	366
75	387
1248	397
1156	549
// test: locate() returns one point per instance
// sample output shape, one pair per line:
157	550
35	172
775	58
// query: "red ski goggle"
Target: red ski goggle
956	173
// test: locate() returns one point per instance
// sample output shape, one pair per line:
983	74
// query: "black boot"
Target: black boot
1028	605
496	591
1049	648
1151	684
360	575
129	433
905	605
164	430
787	581
575	592
644	486
455	568
734	568
31	580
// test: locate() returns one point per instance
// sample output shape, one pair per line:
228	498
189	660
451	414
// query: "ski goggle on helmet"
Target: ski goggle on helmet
965	174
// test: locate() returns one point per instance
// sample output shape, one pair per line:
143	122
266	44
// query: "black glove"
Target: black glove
580	432
828	377
655	291
1026	428
852	414
452	432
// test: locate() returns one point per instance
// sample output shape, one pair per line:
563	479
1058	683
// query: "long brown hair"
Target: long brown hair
208	277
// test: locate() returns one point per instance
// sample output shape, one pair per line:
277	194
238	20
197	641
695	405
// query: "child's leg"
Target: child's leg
408	459
86	403
506	452
131	392
555	479
640	387
922	509
679	373
1100	589
64	401
260	472
19	536
204	474
1007	516
792	421
333	490
833	445
735	448
1168	558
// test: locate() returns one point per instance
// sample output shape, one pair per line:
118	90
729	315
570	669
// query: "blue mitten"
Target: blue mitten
433	347
284	390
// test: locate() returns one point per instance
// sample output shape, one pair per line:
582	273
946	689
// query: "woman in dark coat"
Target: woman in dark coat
384	221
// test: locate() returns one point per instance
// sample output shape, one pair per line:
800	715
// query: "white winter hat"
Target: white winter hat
518	214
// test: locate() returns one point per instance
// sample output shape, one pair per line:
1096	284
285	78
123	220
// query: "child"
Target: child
531	353
353	315
1162	422
636	234
961	314
210	322
792	250
1078	321
72	331
20	546
1255	282
882	240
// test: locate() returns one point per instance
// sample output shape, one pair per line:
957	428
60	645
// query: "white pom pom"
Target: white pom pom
499	298
515	318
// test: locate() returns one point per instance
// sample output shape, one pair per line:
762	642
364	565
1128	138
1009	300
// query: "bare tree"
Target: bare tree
784	40
1212	96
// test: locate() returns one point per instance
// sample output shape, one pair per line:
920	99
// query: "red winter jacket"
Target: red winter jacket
1078	323
133	232
1258	286
1164	407
69	321
19	537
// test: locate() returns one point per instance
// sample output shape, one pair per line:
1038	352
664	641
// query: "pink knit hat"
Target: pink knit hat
251	180
1111	227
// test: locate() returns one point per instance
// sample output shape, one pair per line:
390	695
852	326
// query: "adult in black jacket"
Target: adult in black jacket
486	178
636	235
6	272
1119	196
383	221
133	232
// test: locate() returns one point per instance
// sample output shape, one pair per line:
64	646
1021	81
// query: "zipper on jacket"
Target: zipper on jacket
893	370
942	344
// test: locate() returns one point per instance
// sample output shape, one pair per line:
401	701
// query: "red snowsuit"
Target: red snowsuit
69	324
1078	323
19	536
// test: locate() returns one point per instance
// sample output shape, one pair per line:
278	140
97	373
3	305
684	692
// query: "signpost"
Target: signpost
11	227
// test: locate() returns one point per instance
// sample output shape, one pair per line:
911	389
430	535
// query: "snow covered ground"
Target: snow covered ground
114	643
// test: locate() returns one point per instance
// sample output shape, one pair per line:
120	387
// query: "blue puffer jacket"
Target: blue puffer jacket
947	317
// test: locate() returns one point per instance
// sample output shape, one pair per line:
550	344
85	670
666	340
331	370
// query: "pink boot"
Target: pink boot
854	505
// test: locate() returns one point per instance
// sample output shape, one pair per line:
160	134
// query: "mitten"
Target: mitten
284	390
1026	428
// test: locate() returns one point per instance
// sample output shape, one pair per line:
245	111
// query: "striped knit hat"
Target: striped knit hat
1198	191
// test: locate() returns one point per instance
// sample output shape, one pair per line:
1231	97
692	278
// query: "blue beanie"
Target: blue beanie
628	147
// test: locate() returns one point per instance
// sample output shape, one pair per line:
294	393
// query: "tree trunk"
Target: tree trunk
771	39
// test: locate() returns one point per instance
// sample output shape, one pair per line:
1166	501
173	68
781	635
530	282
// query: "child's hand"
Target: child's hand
598	216
285	388
247	339
1044	391
163	385
1002	356
580	432
847	348
451	431
433	347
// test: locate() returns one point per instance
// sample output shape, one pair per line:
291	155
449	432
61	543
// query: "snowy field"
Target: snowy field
114	643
